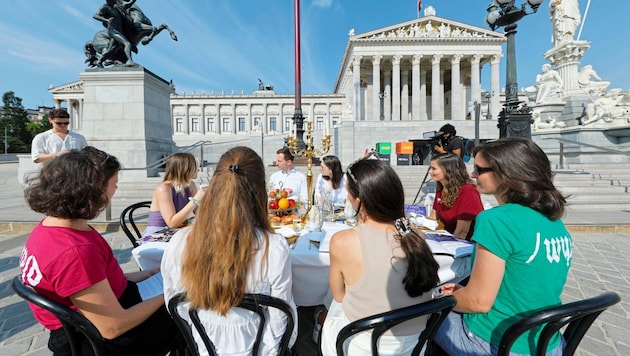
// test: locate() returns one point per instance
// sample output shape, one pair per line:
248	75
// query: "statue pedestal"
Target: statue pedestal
126	112
574	108
566	58
549	111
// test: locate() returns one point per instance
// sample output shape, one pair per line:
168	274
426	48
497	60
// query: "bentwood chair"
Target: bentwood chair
257	303
128	222
77	327
438	309
578	315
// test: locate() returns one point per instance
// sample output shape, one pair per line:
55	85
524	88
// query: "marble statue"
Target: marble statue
549	84
125	27
607	108
589	81
565	19
551	124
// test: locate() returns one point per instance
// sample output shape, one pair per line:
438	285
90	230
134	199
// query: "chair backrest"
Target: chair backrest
127	221
579	315
253	302
74	323
438	309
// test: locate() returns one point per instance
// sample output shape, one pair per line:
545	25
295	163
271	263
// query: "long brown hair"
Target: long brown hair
455	174
381	194
524	174
224	238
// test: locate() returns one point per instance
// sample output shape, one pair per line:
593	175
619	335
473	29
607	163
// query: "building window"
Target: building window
335	121
241	124
226	124
210	124
194	124
288	124
319	123
179	124
272	124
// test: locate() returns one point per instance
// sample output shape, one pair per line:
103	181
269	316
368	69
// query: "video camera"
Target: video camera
434	136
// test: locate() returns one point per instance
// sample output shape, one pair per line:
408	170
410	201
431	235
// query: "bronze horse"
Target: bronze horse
103	51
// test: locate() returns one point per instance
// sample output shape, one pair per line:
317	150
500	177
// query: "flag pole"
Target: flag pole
588	4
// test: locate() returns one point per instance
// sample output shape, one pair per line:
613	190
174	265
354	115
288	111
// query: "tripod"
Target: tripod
421	185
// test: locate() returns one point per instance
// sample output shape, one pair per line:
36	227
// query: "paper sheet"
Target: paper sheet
151	286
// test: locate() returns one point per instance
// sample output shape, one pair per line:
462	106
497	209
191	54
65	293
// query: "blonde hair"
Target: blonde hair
225	236
180	168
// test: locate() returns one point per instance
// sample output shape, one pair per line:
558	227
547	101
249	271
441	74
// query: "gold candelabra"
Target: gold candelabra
309	151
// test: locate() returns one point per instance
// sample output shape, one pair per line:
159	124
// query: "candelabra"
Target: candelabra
514	120
309	152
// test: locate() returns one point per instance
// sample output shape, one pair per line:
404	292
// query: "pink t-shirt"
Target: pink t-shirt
59	262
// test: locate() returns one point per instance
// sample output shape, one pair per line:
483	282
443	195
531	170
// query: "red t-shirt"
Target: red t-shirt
59	262
467	206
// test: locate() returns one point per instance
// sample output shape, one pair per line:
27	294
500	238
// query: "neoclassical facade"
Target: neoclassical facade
410	77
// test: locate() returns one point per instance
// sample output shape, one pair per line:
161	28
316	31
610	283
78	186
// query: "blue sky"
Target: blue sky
229	44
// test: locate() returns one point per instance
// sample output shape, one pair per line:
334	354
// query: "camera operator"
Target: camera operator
447	142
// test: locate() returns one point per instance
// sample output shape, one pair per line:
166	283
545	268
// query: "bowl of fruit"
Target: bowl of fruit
281	208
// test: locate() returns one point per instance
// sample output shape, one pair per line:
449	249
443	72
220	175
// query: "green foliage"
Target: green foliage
35	128
16	117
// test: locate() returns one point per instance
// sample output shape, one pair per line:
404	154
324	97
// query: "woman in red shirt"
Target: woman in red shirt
457	201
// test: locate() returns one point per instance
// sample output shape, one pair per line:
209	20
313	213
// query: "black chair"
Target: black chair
127	221
253	302
438	309
74	324
578	315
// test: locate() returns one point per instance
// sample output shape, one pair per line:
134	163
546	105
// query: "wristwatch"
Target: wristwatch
194	201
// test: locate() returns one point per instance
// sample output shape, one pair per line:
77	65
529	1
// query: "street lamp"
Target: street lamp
6	142
382	96
514	119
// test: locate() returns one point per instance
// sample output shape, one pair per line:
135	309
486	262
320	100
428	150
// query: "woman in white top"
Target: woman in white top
331	181
229	251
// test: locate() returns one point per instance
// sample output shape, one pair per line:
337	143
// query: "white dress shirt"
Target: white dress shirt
291	179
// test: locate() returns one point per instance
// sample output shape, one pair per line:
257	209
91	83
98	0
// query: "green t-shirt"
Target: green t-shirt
537	254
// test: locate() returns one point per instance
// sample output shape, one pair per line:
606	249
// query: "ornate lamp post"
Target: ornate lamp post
296	144
6	139
514	119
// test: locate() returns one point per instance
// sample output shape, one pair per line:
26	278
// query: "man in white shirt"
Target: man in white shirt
289	177
56	141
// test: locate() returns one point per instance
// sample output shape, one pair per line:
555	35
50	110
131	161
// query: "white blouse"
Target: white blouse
338	195
235	333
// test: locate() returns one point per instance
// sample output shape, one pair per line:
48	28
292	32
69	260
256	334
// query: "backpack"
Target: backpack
469	147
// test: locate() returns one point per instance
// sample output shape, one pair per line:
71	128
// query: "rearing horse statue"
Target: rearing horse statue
126	26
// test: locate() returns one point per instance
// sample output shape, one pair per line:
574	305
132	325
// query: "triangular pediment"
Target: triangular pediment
428	27
73	87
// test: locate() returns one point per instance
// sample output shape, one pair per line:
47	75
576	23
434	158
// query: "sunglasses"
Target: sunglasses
480	170
61	123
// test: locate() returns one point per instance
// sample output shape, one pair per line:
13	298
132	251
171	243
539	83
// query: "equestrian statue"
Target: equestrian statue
125	27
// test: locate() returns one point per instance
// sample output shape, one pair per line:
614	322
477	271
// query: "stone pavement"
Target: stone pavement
600	263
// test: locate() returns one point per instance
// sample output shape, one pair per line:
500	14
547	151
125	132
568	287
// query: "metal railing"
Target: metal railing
562	141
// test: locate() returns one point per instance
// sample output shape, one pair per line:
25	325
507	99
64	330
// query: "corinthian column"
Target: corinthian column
376	85
356	76
415	86
396	87
456	88
437	103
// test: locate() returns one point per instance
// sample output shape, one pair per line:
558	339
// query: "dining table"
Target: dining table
310	259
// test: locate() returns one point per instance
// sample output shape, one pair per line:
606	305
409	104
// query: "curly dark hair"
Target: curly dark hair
381	193
73	185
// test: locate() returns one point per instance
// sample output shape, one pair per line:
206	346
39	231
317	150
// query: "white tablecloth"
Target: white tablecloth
310	267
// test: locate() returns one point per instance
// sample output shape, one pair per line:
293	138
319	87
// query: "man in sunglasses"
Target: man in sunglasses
58	140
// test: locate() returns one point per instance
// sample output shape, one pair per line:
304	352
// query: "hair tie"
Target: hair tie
233	168
403	226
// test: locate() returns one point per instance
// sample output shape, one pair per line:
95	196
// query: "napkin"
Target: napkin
286	231
316	236
420	220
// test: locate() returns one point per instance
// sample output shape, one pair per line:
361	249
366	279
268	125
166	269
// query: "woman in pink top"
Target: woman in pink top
68	261
378	266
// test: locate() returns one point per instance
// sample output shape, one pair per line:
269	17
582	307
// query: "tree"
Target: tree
15	115
35	128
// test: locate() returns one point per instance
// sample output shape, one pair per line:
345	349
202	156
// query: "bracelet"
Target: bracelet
194	201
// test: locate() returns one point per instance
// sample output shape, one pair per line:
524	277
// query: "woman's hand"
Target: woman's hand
449	288
142	275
